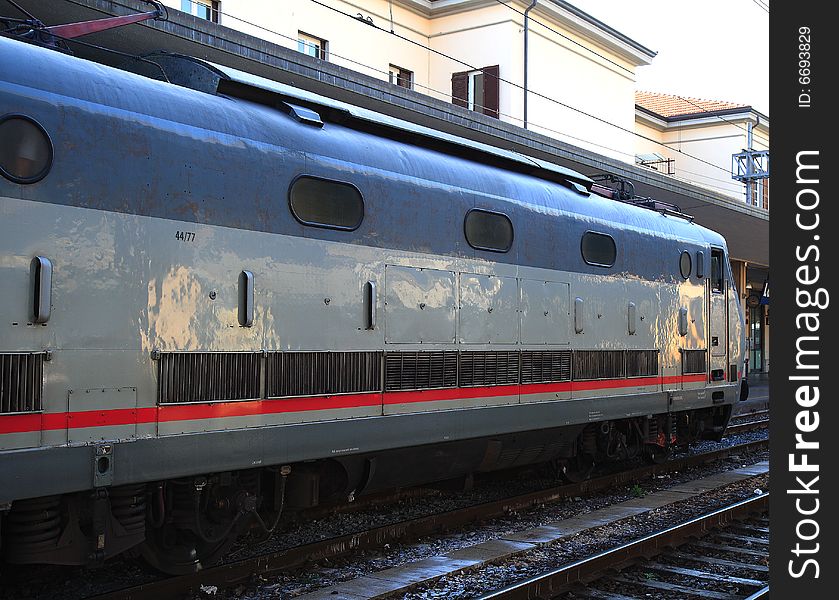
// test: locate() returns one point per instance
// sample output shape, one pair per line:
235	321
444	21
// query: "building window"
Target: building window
203	9
311	45
488	230
326	203
764	192
401	77
477	90
760	193
598	249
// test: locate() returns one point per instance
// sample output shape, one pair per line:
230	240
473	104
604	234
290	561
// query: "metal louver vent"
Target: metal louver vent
599	364
693	362
641	363
208	376
21	382
420	370
291	374
545	366
488	368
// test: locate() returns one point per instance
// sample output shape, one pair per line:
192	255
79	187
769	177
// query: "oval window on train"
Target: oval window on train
685	264
26	150
598	249
326	203
487	230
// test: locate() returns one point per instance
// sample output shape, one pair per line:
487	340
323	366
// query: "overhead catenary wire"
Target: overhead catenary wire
544	127
137	57
415	84
762	5
21	9
571	151
374	69
424	87
519	86
513	117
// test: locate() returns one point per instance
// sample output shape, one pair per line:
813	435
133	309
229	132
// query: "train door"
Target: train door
718	316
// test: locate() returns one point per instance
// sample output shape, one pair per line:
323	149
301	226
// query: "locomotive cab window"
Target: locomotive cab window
717	272
325	203
598	249
487	230
685	264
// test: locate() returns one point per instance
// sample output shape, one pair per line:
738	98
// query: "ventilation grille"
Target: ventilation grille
319	373
544	366
693	362
420	370
598	364
641	363
21	382
208	376
489	368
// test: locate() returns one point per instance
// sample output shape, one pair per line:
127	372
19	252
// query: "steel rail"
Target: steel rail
753	414
559	580
753	408
747	426
234	572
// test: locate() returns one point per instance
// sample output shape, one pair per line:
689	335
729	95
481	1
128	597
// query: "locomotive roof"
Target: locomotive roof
62	75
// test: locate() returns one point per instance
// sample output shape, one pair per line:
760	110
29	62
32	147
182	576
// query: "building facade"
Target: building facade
694	140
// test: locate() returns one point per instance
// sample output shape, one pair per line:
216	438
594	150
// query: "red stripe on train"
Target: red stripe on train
218	410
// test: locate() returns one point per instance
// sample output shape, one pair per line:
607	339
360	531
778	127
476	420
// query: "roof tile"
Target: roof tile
668	105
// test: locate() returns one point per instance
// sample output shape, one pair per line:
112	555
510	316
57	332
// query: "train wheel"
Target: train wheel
657	454
178	552
578	468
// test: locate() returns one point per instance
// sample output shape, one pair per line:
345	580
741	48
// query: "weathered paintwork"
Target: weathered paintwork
137	161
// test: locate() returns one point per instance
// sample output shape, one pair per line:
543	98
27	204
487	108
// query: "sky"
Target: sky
707	49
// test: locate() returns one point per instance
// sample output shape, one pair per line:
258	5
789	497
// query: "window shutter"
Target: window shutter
460	89
491	91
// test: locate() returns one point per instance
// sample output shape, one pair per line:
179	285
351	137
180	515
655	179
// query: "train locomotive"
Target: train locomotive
225	300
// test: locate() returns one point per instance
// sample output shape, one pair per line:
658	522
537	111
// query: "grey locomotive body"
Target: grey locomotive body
219	306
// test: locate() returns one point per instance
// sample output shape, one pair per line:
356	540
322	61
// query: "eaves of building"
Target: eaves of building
555	13
703	119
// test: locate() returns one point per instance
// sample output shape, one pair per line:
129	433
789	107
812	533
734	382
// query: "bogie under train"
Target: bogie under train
220	305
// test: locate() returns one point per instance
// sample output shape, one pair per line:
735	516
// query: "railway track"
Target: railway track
233	572
754	415
711	567
747	426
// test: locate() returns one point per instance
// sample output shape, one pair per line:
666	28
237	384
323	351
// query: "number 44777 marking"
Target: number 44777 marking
185	236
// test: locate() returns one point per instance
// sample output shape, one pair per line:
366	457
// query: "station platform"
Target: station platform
758	394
